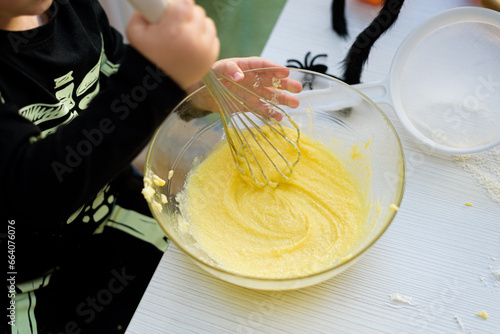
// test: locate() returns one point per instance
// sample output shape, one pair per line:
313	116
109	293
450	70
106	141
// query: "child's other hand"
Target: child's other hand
270	84
183	43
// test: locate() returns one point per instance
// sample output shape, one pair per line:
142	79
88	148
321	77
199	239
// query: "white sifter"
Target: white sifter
444	81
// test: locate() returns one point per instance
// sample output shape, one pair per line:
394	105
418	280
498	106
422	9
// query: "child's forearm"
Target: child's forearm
62	171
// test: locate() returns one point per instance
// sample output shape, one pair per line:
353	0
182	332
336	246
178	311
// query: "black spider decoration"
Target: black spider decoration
320	68
309	66
309	78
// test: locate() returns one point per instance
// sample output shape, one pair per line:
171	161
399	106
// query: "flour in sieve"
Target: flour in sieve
484	168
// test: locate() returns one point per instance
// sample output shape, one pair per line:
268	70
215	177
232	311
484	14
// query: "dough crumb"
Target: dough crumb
468	204
393	207
170	174
158	180
164	199
148	192
459	322
482	314
396	297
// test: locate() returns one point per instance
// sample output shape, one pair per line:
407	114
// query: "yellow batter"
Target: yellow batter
291	230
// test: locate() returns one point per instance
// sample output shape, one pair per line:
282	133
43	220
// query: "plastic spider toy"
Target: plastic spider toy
309	66
320	68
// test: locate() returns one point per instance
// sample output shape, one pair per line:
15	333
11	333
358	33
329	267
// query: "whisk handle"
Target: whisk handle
152	10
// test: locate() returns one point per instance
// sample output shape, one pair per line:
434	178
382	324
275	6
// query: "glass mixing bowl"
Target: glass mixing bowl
329	111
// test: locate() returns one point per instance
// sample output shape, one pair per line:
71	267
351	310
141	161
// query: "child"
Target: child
76	107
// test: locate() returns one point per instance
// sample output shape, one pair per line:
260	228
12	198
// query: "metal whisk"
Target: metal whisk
263	149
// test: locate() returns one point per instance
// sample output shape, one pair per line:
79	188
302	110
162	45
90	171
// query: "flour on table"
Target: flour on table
484	168
496	273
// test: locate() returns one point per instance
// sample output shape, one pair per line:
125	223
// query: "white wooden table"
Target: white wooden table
438	251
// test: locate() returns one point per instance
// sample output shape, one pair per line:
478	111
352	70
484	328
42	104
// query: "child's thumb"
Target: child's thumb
231	70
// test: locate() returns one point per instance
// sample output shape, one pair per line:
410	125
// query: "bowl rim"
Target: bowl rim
349	258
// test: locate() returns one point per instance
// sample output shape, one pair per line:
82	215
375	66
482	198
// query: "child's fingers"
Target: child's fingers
184	43
276	78
231	70
179	11
286	99
279	96
291	85
209	35
136	25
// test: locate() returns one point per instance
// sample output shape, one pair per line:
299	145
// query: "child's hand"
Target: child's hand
273	85
270	84
183	43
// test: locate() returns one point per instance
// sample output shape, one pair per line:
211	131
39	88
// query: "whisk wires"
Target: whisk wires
264	151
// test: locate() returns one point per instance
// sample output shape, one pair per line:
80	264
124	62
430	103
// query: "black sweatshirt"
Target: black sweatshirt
71	120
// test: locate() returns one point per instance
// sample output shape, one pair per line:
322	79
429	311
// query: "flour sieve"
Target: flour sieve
444	81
